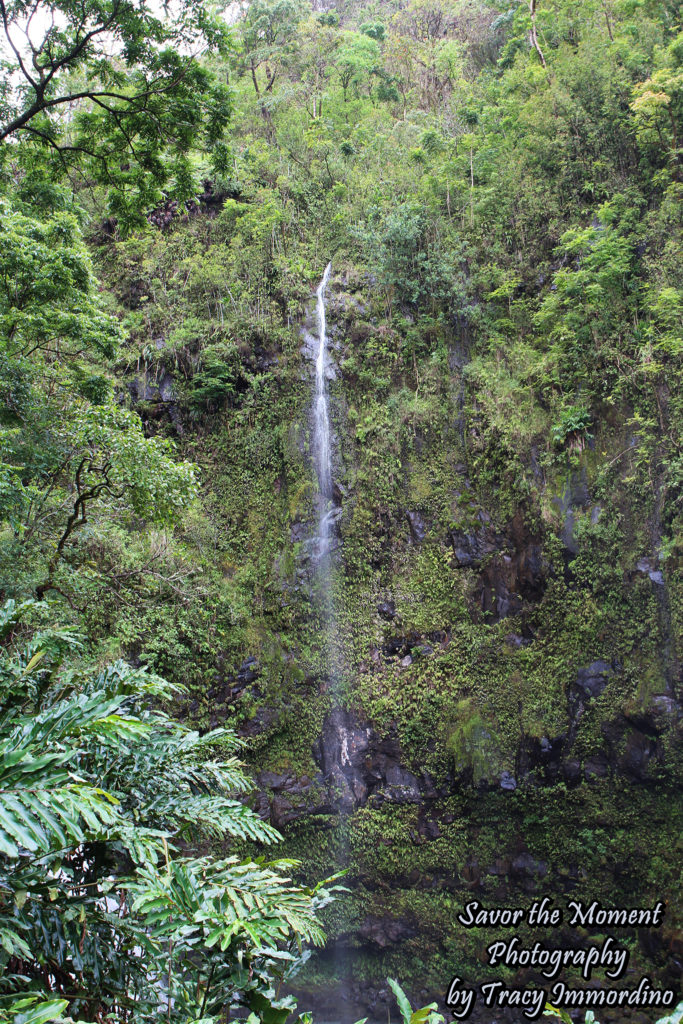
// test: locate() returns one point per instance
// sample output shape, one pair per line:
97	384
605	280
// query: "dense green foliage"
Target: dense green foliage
101	797
499	188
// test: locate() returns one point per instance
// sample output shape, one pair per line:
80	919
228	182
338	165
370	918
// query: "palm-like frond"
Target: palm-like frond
98	790
220	900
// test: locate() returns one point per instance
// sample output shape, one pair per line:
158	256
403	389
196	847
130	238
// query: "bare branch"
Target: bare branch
534	37
5	23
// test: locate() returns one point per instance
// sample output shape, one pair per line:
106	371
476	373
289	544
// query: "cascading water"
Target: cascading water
321	437
330	648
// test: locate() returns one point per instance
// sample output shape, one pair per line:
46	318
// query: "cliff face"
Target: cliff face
507	718
504	715
503	718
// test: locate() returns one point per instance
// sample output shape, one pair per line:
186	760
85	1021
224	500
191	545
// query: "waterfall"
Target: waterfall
331	647
321	437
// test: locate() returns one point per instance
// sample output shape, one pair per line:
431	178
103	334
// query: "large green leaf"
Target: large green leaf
402	1000
51	1010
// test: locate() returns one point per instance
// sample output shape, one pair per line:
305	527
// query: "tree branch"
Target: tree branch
5	23
534	37
78	516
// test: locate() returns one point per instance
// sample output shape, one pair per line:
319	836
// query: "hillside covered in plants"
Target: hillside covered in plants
480	697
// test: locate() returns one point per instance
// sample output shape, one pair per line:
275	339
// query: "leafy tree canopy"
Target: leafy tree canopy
48	299
114	89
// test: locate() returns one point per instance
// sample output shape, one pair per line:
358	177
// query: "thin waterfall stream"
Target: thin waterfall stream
321	436
328	512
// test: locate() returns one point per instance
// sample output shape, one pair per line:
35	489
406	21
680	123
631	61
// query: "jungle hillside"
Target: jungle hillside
341	483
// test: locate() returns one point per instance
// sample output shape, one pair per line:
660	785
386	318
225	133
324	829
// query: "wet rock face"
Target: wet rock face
592	680
526	870
341	753
632	742
285	798
228	685
509	564
634	746
542	759
638	752
386	610
418	529
357	766
155	388
385	931
590	683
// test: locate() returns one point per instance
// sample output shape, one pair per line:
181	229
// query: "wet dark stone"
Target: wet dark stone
596	767
472	871
340	752
385	931
510	565
151	387
274	781
399	646
508	782
386	610
593	679
401	785
525	864
636	758
543	756
428	828
418	529
248	671
590	683
282	812
299	532
393	646
663	707
470	548
287	798
357	765
153	390
263	720
575	496
339	492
